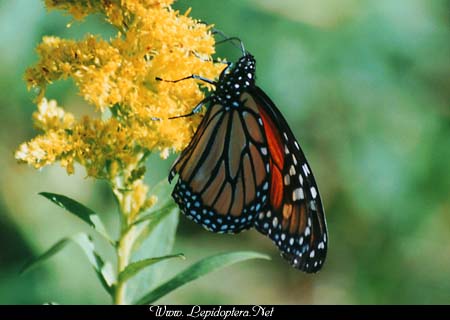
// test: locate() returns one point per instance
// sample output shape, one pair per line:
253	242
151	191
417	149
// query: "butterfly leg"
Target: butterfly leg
201	104
192	76
194	111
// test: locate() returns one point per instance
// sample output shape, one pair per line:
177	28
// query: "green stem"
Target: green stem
123	260
128	232
125	244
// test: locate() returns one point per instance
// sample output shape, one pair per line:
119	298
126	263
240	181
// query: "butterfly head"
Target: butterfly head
238	76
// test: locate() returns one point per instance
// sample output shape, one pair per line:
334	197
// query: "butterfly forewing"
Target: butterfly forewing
223	176
294	218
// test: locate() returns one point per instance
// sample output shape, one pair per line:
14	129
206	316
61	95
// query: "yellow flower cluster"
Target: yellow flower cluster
117	76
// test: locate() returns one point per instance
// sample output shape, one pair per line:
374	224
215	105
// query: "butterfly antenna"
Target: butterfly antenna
233	42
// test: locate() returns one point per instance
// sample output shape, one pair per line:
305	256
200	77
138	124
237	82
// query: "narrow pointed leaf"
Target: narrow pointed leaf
133	268
157	243
81	211
103	270
161	191
157	215
155	236
150	222
57	247
197	270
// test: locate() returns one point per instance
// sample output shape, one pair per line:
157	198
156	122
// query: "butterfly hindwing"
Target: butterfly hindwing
294	217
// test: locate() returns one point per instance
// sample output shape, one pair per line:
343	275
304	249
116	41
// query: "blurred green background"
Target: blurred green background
365	86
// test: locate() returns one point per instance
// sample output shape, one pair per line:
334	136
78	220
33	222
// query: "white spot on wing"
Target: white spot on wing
292	170
313	192
307	231
298	194
275	222
305	169
287	180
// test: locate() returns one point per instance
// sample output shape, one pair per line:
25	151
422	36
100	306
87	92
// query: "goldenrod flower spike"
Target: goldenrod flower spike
117	77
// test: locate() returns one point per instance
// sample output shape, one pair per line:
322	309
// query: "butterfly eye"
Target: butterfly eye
244	168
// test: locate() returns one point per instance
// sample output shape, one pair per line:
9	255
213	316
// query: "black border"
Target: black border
301	312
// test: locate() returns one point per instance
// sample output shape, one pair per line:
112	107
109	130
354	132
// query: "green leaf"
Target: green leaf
158	243
61	244
156	215
151	222
162	190
155	238
103	270
150	219
137	266
197	270
81	211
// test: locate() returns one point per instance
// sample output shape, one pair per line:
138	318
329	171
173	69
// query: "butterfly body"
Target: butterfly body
244	168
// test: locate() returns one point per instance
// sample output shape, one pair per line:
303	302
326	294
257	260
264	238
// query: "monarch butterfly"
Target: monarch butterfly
244	168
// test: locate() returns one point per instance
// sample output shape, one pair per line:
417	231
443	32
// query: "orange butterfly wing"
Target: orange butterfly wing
294	218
